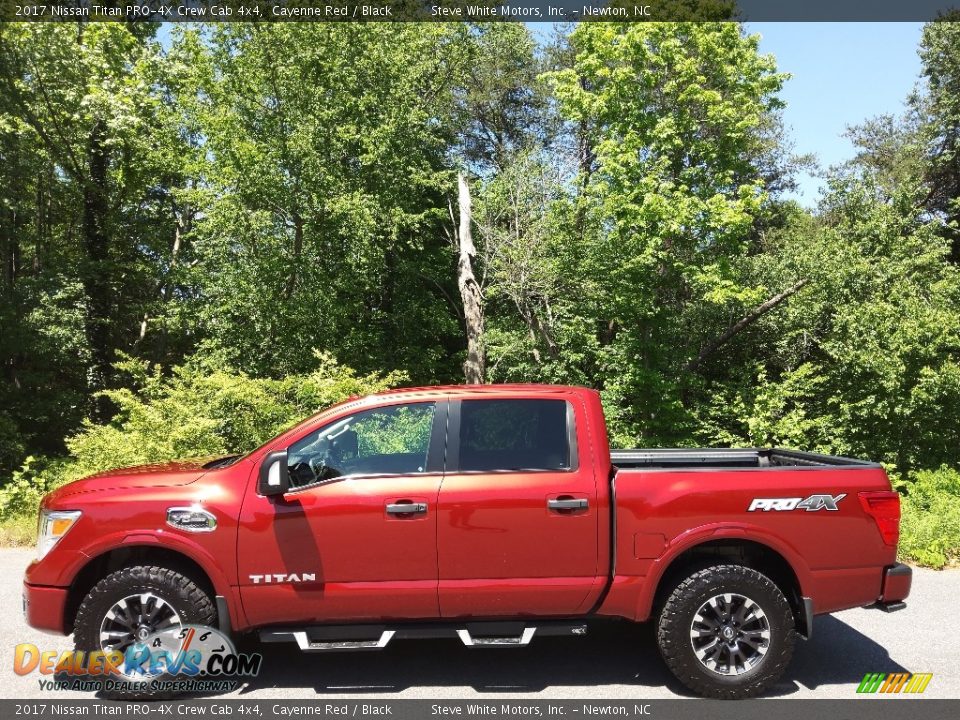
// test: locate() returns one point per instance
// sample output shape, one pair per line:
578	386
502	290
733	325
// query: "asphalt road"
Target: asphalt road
615	660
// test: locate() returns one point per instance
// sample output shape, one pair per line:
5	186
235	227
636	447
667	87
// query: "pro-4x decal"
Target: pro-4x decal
810	504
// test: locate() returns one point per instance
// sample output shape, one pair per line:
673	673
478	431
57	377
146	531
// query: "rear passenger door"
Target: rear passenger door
517	511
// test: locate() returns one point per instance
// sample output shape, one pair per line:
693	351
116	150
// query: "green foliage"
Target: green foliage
86	222
325	177
501	106
526	255
11	442
36	477
939	133
222	205
676	114
401	429
19	531
930	525
864	362
200	410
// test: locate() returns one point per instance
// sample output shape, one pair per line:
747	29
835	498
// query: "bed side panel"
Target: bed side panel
837	554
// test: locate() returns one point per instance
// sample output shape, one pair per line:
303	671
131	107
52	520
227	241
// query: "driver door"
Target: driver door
355	538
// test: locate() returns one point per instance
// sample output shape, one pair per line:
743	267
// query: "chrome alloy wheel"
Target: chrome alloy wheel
730	634
137	617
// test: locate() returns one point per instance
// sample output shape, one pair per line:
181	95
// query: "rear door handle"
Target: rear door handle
407	508
568	504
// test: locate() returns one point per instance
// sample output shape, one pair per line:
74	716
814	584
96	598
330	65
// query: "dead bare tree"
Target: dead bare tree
470	295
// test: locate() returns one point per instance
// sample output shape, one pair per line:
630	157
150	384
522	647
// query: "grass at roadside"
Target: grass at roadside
18	531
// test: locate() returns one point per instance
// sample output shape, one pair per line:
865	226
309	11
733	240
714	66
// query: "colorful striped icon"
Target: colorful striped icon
894	682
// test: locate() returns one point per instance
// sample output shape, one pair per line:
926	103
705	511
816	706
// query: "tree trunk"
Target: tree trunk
10	251
182	224
180	228
586	157
538	332
473	367
97	273
297	253
751	317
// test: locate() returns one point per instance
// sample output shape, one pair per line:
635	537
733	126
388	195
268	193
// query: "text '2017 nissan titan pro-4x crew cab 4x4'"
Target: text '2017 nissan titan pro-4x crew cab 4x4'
492	514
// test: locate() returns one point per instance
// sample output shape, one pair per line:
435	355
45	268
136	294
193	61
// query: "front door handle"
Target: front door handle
568	504
407	508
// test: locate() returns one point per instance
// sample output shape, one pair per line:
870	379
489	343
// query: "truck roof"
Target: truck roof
494	389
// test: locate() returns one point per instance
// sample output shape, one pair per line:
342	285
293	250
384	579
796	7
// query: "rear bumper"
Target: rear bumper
43	607
896	584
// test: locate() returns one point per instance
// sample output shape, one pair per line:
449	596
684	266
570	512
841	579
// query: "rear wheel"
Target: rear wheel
727	632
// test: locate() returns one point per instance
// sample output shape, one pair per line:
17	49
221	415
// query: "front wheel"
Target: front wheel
727	632
134	604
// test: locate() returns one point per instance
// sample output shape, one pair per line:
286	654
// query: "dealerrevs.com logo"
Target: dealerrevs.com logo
184	658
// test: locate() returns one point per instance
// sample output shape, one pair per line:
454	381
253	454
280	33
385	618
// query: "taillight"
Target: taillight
884	507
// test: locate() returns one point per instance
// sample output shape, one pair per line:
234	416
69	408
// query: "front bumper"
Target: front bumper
896	586
44	608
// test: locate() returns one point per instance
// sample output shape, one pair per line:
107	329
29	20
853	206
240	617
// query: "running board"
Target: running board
334	638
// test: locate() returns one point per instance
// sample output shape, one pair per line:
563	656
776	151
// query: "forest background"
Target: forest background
207	236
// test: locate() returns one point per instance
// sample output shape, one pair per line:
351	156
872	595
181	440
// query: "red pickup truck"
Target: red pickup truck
492	514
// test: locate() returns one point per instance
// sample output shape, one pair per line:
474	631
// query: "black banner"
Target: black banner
893	708
480	10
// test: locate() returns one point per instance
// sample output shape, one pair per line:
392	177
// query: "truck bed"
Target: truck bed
710	458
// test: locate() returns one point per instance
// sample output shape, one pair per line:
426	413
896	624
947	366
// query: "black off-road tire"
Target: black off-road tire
677	617
189	600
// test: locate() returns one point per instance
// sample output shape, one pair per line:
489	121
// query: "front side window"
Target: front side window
392	440
514	435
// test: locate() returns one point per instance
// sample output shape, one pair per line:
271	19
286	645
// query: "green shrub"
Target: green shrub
930	528
196	411
21	496
202	410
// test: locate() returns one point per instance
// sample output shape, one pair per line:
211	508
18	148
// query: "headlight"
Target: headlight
54	524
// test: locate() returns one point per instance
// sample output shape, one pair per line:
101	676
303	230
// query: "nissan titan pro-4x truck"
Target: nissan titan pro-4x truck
491	514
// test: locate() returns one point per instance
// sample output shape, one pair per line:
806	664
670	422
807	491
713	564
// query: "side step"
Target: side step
523	639
890	606
333	638
308	645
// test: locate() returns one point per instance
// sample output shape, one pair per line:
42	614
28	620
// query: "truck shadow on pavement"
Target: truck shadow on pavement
613	653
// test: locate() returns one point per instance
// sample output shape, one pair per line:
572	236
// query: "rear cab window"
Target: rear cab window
515	435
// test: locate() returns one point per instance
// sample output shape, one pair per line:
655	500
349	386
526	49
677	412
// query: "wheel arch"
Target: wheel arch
731	550
101	565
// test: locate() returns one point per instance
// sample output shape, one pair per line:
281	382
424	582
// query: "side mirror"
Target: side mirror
274	475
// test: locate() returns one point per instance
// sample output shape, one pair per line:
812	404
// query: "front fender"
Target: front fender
61	567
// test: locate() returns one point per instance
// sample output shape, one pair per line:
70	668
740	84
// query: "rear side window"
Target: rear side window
514	435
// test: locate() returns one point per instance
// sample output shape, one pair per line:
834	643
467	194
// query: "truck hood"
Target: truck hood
169	474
